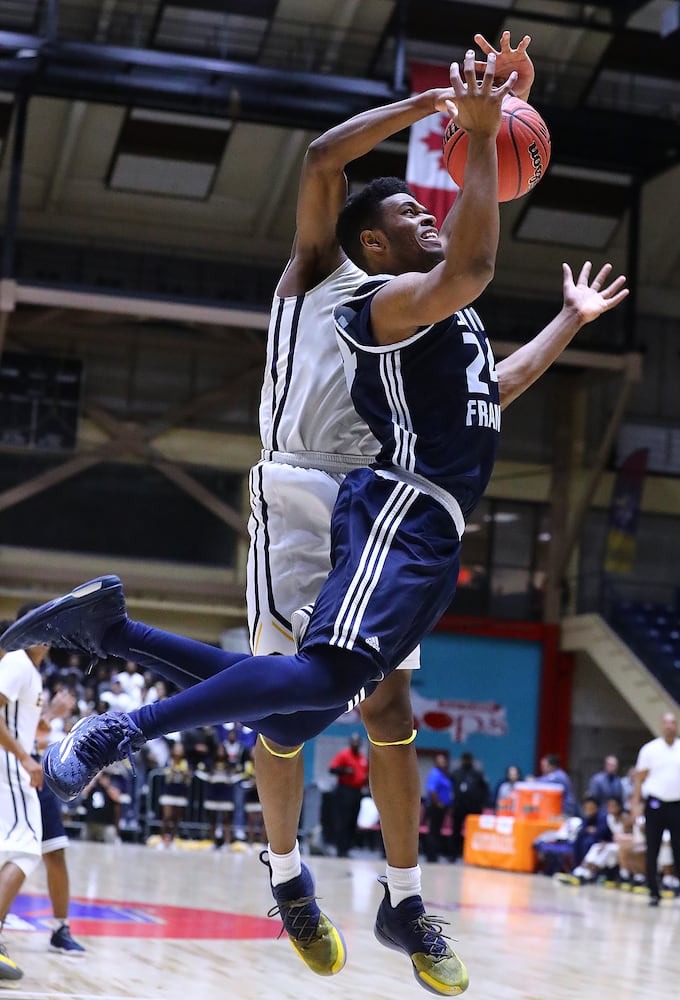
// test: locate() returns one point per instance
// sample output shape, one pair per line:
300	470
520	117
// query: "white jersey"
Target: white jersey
305	404
20	823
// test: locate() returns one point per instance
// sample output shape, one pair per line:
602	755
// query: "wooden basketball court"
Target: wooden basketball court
191	924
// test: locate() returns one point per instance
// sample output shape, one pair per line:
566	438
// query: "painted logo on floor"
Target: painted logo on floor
102	917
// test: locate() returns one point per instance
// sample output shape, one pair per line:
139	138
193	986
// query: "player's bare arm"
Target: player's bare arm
509	60
323	185
583	301
414	300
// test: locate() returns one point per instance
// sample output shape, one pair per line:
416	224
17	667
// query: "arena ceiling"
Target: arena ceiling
176	128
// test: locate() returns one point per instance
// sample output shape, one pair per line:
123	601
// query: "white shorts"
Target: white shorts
602	855
289	556
20	819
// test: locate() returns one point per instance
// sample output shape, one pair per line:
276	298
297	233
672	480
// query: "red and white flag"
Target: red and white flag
426	174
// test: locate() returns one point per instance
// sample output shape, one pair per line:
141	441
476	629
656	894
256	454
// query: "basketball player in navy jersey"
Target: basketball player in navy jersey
312	436
423	377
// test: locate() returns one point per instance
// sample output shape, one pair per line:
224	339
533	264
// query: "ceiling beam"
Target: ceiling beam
147	78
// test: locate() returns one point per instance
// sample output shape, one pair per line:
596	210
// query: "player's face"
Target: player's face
413	242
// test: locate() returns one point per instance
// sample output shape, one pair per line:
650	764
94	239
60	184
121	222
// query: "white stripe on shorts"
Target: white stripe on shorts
367	574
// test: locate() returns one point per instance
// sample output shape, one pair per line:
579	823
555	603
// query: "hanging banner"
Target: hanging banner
624	512
425	171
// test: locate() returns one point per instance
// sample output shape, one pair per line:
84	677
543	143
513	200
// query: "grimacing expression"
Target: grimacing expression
413	242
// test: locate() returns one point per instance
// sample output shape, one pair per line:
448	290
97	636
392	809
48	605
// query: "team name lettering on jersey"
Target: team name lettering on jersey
481	413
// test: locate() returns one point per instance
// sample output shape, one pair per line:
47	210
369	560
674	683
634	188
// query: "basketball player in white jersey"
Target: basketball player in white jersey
51	837
20	776
312	437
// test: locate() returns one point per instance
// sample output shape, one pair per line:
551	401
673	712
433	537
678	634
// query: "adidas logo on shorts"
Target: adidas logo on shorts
373	642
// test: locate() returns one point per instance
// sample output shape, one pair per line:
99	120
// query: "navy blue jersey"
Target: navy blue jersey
431	401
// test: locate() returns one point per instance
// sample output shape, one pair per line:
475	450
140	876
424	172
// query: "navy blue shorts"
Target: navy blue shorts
395	555
54	835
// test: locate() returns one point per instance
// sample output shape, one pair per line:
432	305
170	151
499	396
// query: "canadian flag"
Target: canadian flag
426	174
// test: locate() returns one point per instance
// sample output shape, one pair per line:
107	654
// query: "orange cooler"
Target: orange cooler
536	800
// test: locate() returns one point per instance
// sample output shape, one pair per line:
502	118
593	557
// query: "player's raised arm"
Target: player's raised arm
323	185
413	300
584	301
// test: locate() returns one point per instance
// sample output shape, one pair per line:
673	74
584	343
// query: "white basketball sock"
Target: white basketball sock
285	866
402	883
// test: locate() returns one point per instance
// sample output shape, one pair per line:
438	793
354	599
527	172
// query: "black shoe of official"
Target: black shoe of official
75	621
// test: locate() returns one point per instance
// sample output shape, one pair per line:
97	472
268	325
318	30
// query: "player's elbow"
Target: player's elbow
321	155
483	269
471	281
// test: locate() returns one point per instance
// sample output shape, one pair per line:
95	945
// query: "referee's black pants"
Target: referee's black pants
660	816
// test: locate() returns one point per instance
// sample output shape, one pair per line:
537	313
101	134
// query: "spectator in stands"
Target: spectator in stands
601	856
552	772
237	756
555	848
218	800
88	700
628	785
607	784
132	682
200	746
351	767
594	830
102	800
174	798
505	787
657	785
470	797
155	689
438	801
253	809
116	698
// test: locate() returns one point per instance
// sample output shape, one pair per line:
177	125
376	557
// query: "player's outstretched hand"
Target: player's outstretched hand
509	60
592	298
476	107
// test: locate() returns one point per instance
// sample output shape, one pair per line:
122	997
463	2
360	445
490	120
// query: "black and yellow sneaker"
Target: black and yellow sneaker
9	970
566	878
407	927
312	934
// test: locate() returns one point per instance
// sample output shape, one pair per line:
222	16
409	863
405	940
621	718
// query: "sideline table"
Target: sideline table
503	841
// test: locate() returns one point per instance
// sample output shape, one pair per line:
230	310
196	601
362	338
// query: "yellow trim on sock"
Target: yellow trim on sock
275	753
395	743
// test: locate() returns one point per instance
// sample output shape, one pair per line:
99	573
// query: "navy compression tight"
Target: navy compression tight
289	699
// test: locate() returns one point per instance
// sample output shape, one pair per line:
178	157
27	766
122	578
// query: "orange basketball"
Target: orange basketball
523	145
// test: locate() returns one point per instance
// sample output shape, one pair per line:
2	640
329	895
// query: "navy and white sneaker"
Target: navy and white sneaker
75	621
407	927
63	943
94	743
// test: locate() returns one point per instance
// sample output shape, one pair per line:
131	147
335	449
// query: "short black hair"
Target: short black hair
362	211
